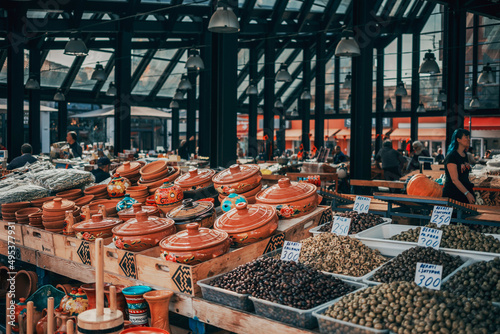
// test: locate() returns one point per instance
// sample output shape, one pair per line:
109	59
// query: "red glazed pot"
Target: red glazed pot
97	227
291	199
190	211
241	178
195	245
168	196
195	179
247	224
118	185
142	232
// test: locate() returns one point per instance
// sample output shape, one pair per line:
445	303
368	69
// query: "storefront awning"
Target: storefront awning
290	134
135	112
482	123
346	133
423	134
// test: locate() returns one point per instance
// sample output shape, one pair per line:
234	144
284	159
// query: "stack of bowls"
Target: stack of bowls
100	191
130	171
82	201
139	193
130	213
39	202
54	213
153	175
109	204
244	180
71	195
9	210
22	215
35	219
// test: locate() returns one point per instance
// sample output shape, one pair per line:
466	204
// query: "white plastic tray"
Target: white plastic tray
315	231
378	237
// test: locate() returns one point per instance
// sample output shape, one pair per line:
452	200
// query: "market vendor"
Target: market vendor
457	168
339	156
102	171
391	161
418	151
75	147
26	157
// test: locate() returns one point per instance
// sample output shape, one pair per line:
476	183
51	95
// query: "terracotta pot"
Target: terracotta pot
97	227
138	191
58	205
96	190
118	186
121	303
241	178
291	199
142	232
193	212
137	306
84	200
70	193
248	223
26	282
66	288
18	308
154	170
109	204
39	202
195	245
195	179
158	306
41	325
23	213
168	197
137	207
129	168
89	290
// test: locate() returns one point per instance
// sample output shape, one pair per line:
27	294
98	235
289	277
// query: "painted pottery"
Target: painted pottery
89	290
118	185
77	303
241	178
195	245
97	227
137	207
248	223
69	221
20	307
168	196
231	200
190	211
291	199
137	306
158	306
195	179
142	232
125	203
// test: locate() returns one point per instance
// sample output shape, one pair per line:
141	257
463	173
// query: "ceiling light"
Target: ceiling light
111	89
185	84
174	104
421	107
388	105
429	65
179	95
347	47
224	20
278	103
442	96
347	81
294	113
400	89
59	96
98	73
474	102
76	47
194	60
486	76
306	95
252	90
32	83
283	74
260	110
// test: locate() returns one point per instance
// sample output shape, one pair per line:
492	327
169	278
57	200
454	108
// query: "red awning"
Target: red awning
483	123
423	134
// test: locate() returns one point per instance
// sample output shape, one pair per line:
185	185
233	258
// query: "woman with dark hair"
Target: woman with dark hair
457	168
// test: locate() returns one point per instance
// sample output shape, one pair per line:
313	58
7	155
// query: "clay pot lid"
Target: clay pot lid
98	222
236	173
194	177
58	204
129	167
137	207
15	205
84	200
245	218
190	210
69	193
154	167
142	224
193	238
285	192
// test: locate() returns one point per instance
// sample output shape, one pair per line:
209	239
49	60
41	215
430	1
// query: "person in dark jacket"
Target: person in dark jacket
26	157
418	151
102	171
339	156
75	147
391	160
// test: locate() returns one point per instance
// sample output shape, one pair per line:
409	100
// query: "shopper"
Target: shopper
26	157
457	185
418	151
102	171
339	156
75	148
391	160
183	150
439	156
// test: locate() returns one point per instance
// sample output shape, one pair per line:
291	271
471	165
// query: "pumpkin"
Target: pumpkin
421	185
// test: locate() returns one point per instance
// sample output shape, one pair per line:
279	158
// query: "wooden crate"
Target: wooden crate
182	278
74	249
38	239
11	232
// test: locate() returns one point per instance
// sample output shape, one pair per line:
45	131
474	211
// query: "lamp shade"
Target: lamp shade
179	95
194	60
388	105
429	65
278	103
486	76
347	47
185	84
111	89
442	96
421	107
32	83
283	74
224	21
76	47
474	102
174	104
59	96
400	89
306	95
252	90
98	73
347	81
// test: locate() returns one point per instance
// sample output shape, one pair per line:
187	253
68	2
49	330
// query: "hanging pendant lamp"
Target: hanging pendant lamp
111	89
252	90
388	105
401	90
194	60
429	65
474	102
59	96
224	20
98	73
174	104
347	47
306	95
421	107
486	76
185	84
348	81
76	47
179	94
32	83
283	74
278	103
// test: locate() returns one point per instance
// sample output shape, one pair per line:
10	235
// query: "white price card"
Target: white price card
430	237
341	225
362	204
441	215
291	251
428	275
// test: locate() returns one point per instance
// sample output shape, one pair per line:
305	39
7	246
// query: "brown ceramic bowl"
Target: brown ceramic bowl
70	193
240	178
84	200
96	190
130	213
39	202
137	190
53	225
15	205
97	227
23	213
154	169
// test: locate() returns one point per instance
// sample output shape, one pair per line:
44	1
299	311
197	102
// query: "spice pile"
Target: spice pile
359	221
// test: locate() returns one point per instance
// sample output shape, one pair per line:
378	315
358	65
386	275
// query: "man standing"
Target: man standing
102	171
26	151
391	161
339	156
75	147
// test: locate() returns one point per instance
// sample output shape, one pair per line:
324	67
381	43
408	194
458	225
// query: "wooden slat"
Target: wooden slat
378	183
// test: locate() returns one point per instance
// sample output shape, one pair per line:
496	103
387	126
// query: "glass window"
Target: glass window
137	55
409	8
265	4
3	72
173	80
55	68
395	8
293	5
342	9
153	71
83	78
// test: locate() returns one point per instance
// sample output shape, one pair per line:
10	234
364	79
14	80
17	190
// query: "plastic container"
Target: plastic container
225	297
315	231
378	237
292	315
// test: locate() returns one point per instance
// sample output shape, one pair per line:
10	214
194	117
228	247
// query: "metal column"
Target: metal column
62	120
399	69
319	110
361	106
305	105
336	87
253	148
191	112
175	129
379	111
415	86
34	103
204	96
269	77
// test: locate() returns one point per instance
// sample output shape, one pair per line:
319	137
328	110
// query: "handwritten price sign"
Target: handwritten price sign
291	251
429	275
430	237
341	225
441	215
362	204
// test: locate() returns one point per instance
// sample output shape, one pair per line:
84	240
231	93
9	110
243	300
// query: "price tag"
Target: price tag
291	251
341	225
430	237
441	215
362	204
428	275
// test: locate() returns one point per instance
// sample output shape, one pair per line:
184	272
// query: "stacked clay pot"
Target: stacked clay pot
22	215
243	180
100	191
153	175
201	212
97	227
118	185
109	204
195	179
130	213
39	202
130	170
35	219
9	210
139	193
168	197
71	195
85	200
54	213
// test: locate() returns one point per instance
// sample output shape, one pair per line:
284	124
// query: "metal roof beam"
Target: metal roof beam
277	16
246	13
245	70
329	14
107	70
303	13
424	17
166	73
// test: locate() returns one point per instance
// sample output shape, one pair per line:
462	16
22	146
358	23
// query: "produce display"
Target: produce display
287	283
22	193
490	198
62	179
402	267
421	185
404	307
479	280
359	221
457	237
339	254
485	229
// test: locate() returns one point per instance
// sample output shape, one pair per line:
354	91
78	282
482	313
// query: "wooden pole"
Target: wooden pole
8	327
29	320
70	327
50	315
112	298
99	285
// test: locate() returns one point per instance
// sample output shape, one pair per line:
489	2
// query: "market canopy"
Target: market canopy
135	112
3	108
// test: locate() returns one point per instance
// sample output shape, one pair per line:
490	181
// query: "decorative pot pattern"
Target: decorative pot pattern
158	305
240	178
201	212
125	203
118	186
18	309
98	227
285	211
137	305
168	196
230	201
